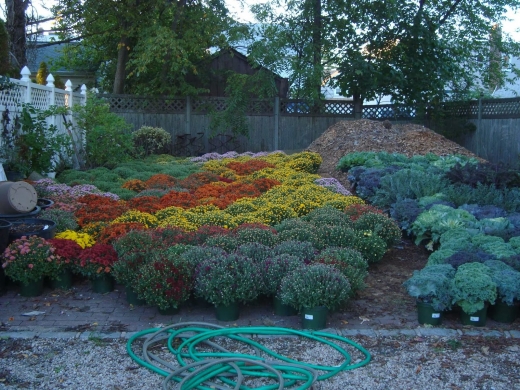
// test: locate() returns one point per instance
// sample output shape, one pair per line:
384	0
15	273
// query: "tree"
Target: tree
42	74
4	50
143	46
16	25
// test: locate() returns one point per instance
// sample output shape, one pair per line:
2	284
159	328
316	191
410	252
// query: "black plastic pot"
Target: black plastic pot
4	234
13	217
44	228
44	203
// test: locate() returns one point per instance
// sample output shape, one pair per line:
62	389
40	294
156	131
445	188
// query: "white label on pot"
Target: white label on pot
309	317
474	319
45	227
436	315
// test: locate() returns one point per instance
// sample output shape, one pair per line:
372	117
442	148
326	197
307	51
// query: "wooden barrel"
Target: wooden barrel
17	197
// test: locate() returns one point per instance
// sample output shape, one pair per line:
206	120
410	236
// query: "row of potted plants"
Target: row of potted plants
466	212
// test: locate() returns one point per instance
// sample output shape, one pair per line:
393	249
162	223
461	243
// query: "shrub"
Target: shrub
261	236
195	255
96	260
107	136
303	234
341	236
225	242
151	140
327	216
350	262
370	245
304	250
381	225
354	211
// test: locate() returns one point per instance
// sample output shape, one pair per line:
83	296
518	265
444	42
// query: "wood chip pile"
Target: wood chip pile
372	136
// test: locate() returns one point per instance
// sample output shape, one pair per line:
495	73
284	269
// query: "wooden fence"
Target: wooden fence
284	124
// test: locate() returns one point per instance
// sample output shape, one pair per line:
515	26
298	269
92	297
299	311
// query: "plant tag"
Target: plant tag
474	319
436	315
309	317
45	227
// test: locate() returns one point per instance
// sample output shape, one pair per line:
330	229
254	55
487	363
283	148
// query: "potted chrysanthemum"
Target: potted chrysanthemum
29	260
315	289
96	264
226	281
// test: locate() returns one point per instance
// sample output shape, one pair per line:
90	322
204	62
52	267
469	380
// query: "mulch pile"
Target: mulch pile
373	136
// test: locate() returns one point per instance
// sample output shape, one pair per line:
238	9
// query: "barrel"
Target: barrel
17	197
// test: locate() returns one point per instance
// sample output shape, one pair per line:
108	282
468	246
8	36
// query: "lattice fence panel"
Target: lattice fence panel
61	99
77	99
201	106
11	98
506	108
40	98
294	107
260	107
149	105
339	108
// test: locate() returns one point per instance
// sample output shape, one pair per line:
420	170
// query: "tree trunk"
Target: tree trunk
15	26
122	59
358	106
316	39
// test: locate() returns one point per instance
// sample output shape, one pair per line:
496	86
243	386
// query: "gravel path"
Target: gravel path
401	362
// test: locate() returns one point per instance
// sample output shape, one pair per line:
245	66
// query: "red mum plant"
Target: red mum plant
264	184
135	185
145	204
354	211
161	181
96	260
195	180
209	191
112	232
179	199
68	250
99	208
248	167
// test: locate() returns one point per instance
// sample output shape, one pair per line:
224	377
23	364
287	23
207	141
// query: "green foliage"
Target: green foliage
107	136
432	284
350	262
370	245
274	269
255	251
472	287
304	250
4	53
195	255
332	235
225	279
407	183
227	243
65	220
151	140
380	224
306	233
262	236
327	215
40	146
515	244
315	285
507	281
440	256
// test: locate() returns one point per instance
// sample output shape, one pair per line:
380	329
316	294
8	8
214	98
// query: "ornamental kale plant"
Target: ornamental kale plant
472	287
432	285
405	212
507	280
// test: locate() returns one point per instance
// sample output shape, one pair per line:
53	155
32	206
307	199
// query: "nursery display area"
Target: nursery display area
226	230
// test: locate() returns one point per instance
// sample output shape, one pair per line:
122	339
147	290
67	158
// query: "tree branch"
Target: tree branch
449	12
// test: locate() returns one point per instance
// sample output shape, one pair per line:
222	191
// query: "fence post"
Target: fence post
25	73
187	130
84	94
68	97
276	121
51	120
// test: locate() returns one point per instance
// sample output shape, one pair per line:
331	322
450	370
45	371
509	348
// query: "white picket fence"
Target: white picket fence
42	97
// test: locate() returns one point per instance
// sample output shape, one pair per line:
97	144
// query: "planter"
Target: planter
32	289
132	298
103	283
44	228
426	314
14	175
63	280
476	319
502	312
44	203
17	197
314	318
229	312
280	309
2	280
13	217
169	311
5	226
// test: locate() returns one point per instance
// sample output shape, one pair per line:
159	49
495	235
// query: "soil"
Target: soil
19	228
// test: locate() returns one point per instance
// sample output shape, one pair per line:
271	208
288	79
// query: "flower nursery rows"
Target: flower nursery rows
465	211
226	228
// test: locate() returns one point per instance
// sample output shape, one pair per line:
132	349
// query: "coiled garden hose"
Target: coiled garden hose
206	367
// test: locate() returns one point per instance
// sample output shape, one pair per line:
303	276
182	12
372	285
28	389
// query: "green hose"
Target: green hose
224	365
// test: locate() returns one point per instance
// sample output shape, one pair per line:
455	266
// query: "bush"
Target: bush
252	235
274	269
107	136
350	262
254	250
341	236
65	220
225	242
381	225
151	140
327	216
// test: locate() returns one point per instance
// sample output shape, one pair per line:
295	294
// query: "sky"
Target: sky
240	10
